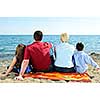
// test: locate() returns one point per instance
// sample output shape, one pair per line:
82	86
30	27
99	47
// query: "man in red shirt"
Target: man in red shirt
38	54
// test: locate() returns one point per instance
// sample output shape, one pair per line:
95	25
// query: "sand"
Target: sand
10	79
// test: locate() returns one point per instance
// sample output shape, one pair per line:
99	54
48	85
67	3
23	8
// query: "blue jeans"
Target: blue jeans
17	69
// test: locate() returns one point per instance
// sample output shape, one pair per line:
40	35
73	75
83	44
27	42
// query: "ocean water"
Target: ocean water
8	43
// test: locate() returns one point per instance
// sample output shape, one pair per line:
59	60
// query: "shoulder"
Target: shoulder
71	46
58	45
30	45
81	53
47	44
85	55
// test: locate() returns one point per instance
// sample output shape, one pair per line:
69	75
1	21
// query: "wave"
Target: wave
6	56
2	49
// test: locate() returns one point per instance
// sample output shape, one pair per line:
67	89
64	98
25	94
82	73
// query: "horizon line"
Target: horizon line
49	34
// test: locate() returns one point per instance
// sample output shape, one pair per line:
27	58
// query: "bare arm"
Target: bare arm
11	66
23	68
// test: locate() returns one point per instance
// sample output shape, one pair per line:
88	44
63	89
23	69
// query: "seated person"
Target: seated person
15	65
81	59
38	53
63	55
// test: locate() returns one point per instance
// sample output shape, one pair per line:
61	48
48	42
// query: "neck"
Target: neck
64	42
37	41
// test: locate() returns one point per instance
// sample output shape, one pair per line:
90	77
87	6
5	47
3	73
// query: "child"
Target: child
81	59
17	60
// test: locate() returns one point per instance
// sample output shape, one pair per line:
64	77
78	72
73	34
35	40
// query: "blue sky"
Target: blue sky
50	25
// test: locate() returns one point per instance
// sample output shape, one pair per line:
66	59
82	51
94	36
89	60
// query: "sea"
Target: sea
8	43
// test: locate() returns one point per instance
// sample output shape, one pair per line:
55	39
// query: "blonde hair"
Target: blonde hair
64	37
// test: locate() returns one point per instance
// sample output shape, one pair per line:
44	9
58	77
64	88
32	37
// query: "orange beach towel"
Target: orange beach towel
60	76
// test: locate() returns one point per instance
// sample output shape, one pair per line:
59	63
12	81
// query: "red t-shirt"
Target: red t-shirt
39	55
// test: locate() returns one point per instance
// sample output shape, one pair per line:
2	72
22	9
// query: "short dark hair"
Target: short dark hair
79	46
38	35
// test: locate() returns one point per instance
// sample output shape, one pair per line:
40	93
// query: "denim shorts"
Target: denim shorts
17	69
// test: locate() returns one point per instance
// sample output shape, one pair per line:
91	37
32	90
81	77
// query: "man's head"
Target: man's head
79	46
38	35
64	37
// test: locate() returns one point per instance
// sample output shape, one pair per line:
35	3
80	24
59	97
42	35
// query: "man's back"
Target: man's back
39	56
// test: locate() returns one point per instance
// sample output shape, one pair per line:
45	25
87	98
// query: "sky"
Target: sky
50	25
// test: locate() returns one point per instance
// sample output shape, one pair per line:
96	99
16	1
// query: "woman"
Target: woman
15	65
63	55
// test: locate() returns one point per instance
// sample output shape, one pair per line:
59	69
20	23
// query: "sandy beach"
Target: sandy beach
10	79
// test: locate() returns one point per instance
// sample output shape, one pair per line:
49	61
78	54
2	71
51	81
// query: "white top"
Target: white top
64	53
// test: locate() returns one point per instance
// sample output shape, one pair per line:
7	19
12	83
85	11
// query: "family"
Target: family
44	57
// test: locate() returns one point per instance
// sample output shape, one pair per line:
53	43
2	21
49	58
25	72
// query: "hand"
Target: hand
19	78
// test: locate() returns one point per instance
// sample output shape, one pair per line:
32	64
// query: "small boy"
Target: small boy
81	59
